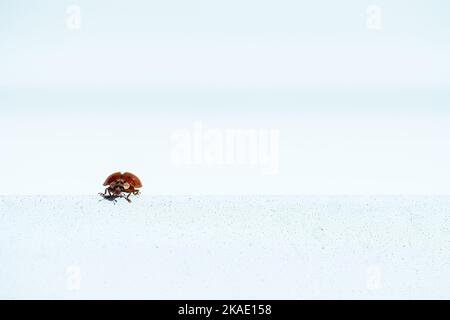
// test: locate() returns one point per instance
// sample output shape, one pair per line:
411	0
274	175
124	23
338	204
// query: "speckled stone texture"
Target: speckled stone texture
224	247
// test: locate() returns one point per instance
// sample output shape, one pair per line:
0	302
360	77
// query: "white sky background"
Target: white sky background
318	155
57	139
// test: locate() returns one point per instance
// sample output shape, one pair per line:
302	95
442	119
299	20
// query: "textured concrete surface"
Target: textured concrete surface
225	247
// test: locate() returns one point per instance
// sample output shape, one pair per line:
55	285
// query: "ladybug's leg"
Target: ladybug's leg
128	198
133	191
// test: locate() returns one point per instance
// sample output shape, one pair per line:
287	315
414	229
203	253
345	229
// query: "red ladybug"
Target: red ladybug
119	183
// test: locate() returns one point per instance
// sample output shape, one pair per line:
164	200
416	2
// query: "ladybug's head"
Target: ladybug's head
119	186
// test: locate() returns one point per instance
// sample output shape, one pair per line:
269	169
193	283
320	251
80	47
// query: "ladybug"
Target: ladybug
119	184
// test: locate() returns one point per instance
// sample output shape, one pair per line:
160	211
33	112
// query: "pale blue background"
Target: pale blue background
359	111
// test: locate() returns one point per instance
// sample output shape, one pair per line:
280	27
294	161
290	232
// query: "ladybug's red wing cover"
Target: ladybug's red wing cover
112	178
132	179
